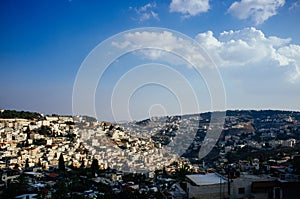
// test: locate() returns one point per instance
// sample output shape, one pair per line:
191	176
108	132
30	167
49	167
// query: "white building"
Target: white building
208	186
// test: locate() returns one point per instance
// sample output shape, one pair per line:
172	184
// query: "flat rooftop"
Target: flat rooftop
207	179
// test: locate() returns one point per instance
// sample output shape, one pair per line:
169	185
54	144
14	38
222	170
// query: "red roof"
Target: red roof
53	175
277	167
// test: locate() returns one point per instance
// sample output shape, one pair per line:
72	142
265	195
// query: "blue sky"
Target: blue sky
254	43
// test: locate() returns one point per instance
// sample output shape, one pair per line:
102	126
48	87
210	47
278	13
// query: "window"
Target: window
242	190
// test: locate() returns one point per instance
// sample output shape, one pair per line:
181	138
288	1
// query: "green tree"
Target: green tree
44	130
94	166
27	163
164	173
16	167
182	171
61	163
82	166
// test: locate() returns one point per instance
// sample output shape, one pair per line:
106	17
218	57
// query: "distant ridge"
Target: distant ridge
12	114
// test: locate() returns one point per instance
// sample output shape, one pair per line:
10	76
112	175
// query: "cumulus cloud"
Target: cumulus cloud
250	47
257	10
258	70
189	7
146	12
290	55
163	43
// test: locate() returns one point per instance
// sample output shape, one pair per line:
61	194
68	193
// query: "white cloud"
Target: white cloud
245	48
189	7
162	42
291	56
259	71
250	47
258	10
146	12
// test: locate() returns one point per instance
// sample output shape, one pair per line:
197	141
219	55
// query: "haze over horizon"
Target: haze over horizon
255	45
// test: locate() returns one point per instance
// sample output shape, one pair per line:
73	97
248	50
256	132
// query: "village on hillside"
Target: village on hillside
256	156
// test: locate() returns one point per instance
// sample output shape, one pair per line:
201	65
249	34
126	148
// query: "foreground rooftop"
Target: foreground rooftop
207	179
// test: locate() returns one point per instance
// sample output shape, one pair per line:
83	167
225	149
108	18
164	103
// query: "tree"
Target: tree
94	166
71	136
61	189
86	151
27	163
16	167
182	171
82	164
39	164
164	173
61	163
44	130
296	164
20	114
